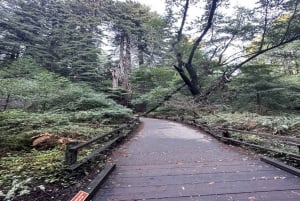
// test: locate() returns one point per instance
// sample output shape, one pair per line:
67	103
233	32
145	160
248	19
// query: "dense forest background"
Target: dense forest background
74	69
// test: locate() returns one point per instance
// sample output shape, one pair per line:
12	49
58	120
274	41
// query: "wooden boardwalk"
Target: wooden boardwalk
169	161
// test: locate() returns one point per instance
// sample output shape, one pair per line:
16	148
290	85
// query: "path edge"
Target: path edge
94	186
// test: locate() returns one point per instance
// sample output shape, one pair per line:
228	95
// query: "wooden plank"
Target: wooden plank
223	163
135	193
195	178
89	192
84	144
128	125
255	196
282	166
267	135
94	154
202	170
262	148
98	180
168	161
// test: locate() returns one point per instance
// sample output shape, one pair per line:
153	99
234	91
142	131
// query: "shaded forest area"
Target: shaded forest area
71	70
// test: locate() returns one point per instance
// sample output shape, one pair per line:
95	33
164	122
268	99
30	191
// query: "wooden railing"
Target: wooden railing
282	140
239	137
72	149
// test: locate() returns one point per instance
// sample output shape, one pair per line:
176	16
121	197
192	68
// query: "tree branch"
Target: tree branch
207	27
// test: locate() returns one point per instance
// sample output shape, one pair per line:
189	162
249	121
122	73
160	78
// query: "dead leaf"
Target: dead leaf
295	192
278	177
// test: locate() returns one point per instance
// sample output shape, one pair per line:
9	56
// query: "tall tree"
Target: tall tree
138	35
212	29
63	36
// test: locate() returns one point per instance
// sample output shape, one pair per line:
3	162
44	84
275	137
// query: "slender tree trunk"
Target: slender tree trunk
6	102
121	56
258	103
115	77
127	66
140	50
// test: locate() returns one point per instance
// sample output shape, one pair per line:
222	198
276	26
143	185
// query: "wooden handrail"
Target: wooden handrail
73	148
84	144
296	141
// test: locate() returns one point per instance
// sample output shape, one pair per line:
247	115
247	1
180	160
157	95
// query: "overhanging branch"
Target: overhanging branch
207	27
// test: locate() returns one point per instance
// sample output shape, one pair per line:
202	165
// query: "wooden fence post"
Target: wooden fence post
226	133
71	154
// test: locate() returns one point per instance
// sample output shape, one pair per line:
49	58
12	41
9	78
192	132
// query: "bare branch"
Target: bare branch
264	28
225	48
290	21
179	33
229	73
207	27
186	7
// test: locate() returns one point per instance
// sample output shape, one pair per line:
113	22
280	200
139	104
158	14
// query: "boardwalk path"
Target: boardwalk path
169	161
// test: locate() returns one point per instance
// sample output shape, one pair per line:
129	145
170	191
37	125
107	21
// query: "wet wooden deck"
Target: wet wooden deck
169	161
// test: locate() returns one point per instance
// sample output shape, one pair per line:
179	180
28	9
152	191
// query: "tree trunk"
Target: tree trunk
115	77
6	102
194	79
140	50
258	103
127	62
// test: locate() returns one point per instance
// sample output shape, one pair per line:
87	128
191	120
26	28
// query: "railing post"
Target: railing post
71	154
298	149
226	133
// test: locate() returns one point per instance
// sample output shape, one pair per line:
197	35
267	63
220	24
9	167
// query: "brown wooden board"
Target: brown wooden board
195	179
169	161
258	196
283	166
94	154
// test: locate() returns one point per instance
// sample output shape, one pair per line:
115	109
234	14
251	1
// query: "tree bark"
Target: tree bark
115	77
140	50
127	62
258	103
6	102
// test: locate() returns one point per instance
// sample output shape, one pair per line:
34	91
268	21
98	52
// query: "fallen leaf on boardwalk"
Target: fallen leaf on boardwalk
252	198
295	192
278	177
211	183
183	188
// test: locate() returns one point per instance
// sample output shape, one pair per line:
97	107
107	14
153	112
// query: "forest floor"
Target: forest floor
33	174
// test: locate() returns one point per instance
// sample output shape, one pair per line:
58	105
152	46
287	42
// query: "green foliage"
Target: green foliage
35	166
146	78
151	85
60	35
45	103
36	102
276	90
